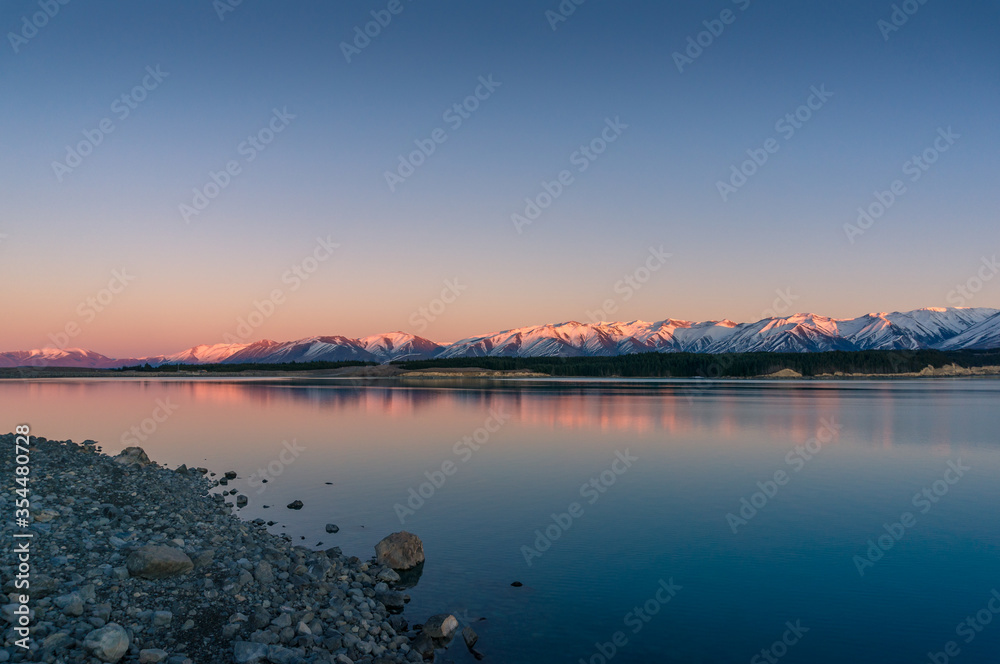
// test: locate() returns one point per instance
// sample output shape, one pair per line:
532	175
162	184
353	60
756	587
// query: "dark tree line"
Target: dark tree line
733	365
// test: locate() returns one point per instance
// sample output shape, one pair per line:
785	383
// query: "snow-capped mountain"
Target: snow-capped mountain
800	333
399	346
376	348
203	354
58	357
945	329
982	335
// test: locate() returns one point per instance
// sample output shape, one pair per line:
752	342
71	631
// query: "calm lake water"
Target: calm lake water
647	482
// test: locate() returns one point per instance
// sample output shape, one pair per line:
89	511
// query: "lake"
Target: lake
648	521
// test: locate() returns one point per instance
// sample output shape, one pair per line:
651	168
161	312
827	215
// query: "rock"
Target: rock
56	641
230	475
109	643
231	630
158	562
248	652
398	623
388	575
241	501
202	558
44	516
423	645
517	584
393	600
133	456
469	636
161	618
71	604
183	470
263	572
400	550
282	621
280	655
295	505
441	626
244	578
261	618
332	528
41	586
152	656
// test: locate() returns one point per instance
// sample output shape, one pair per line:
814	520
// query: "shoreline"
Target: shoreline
400	375
131	561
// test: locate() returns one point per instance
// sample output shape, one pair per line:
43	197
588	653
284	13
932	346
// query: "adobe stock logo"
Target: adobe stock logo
363	36
696	44
592	490
122	107
786	126
914	168
454	116
581	158
925	500
30	27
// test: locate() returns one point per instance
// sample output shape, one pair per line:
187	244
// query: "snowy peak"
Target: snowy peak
398	346
205	353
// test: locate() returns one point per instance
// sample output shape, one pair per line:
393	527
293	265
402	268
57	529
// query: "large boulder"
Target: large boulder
441	626
133	456
400	550
158	562
109	643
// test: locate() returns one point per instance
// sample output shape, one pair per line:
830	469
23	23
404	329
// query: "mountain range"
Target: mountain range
955	328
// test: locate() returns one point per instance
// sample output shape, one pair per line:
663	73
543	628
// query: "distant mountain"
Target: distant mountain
55	357
800	333
945	329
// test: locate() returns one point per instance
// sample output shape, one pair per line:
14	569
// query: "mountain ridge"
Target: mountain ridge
953	328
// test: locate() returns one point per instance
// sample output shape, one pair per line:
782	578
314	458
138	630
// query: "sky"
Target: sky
182	173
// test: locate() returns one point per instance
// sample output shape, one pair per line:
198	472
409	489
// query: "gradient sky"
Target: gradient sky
324	174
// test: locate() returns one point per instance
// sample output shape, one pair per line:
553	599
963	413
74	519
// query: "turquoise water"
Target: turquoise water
624	498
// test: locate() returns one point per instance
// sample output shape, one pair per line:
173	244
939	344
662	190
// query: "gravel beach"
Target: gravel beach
133	562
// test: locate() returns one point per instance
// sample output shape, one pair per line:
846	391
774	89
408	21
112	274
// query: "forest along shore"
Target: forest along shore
128	561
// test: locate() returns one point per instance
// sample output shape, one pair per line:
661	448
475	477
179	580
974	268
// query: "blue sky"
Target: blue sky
324	173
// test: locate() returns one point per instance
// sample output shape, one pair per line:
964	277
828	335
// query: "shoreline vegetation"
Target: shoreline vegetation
131	561
835	365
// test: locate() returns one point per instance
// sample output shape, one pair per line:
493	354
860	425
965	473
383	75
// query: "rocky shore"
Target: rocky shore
133	562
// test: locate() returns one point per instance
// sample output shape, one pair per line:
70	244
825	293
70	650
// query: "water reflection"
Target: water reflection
678	409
